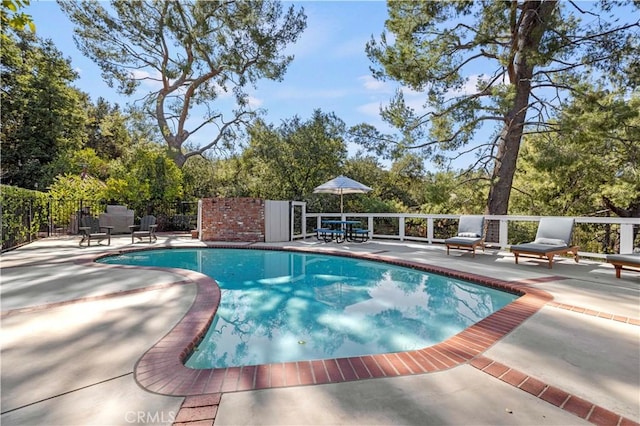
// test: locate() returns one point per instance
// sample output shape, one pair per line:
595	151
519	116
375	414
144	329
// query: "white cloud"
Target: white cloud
373	85
306	93
414	99
255	102
371	109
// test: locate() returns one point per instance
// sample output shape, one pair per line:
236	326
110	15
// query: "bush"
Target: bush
24	213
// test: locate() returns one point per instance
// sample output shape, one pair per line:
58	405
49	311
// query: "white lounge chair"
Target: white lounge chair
553	238
470	234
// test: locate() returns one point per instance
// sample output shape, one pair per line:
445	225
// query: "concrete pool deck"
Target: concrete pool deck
73	333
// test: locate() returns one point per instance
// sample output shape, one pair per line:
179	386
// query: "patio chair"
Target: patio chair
91	230
552	238
629	261
470	234
147	228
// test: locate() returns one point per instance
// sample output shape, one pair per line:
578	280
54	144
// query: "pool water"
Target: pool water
280	306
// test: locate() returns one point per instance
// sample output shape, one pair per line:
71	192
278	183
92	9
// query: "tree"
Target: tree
145	175
297	156
107	131
9	15
595	167
362	168
43	116
198	177
535	52
194	54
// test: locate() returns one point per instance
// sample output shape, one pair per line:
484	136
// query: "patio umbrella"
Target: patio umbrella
340	186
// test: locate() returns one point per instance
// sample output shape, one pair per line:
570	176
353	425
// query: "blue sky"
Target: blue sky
330	70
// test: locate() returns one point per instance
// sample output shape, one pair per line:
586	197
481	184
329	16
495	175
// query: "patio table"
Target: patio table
343	225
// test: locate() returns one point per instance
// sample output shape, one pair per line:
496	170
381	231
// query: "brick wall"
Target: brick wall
233	219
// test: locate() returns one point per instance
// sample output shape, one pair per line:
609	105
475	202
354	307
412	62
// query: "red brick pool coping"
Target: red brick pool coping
161	369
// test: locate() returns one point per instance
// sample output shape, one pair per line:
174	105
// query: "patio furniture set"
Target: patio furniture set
119	220
341	230
553	237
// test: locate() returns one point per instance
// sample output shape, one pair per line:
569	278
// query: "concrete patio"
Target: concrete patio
72	333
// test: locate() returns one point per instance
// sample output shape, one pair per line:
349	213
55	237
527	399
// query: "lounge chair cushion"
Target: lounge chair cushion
555	228
553	237
463	241
549	241
471	226
537	248
620	261
468	235
630	258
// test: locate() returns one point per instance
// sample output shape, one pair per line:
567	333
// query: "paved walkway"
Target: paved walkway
73	333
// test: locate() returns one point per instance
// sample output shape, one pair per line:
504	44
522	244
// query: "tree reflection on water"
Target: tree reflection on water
279	306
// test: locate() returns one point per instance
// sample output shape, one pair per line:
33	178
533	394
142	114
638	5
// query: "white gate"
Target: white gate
277	221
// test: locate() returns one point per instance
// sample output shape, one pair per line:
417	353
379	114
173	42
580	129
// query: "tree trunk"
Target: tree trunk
527	38
177	156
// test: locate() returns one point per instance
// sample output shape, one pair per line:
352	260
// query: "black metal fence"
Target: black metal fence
26	218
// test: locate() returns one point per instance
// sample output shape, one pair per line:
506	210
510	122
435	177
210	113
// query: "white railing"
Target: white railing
622	229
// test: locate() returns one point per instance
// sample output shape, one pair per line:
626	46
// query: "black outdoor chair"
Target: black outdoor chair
147	228
91	230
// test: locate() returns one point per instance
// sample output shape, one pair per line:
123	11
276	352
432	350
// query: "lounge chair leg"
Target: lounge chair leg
550	257
516	256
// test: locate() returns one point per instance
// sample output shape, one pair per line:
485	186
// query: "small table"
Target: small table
345	226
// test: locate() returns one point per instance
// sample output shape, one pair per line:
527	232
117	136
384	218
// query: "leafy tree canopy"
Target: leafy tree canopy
190	55
10	16
531	53
592	167
298	155
43	115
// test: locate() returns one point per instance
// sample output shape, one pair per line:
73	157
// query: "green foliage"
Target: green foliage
532	53
75	187
145	175
199	51
198	177
447	192
107	132
296	157
43	116
11	17
590	165
23	214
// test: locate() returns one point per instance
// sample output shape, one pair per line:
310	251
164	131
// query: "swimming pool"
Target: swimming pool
280	306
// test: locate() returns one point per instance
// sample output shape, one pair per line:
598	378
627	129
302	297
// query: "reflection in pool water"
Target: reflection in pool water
280	306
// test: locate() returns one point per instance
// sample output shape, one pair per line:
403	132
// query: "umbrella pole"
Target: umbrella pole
341	205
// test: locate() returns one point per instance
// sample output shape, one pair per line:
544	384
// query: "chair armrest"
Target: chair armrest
133	227
153	226
108	228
